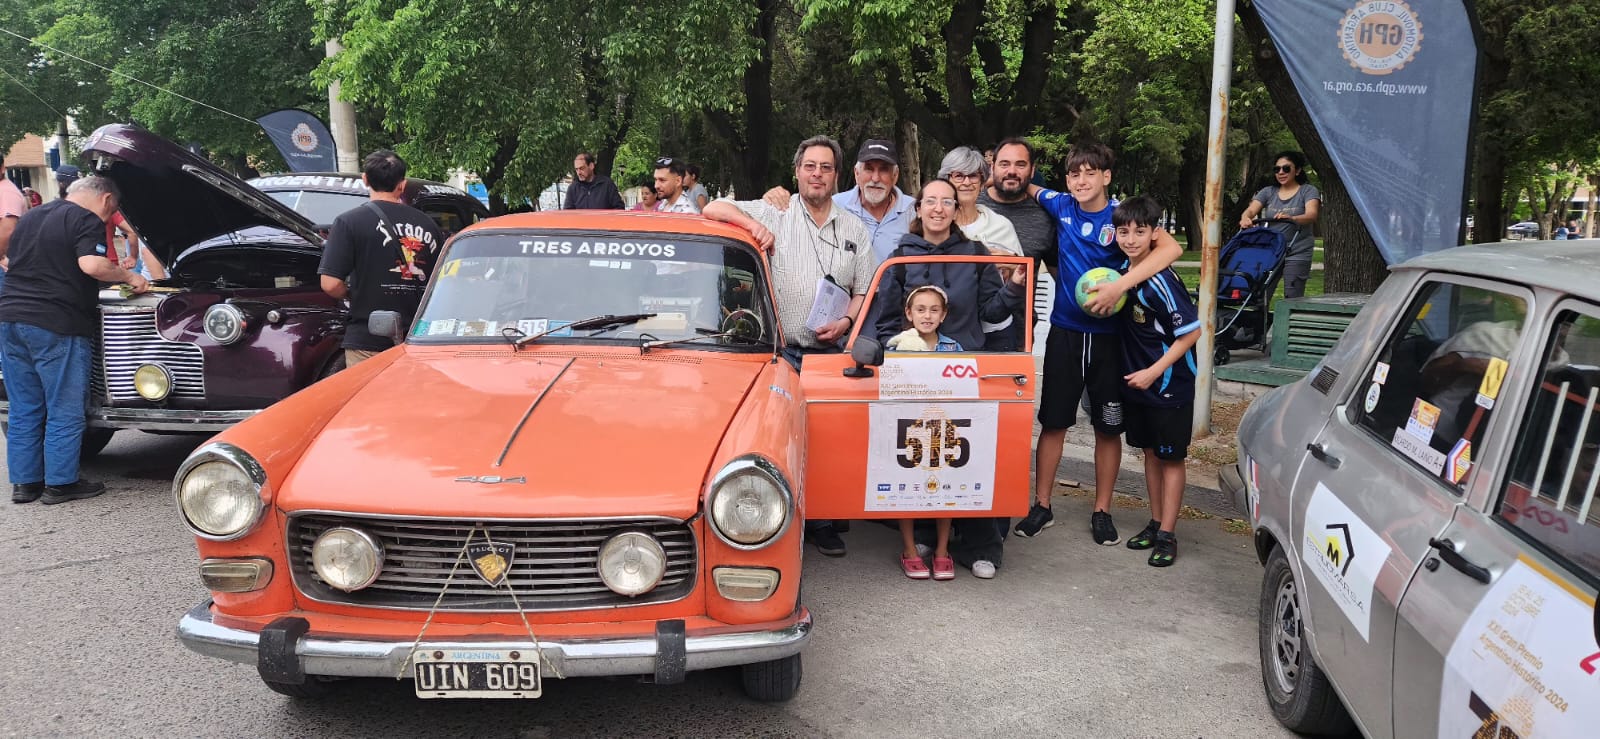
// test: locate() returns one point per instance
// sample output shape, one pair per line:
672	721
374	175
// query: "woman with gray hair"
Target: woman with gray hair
966	169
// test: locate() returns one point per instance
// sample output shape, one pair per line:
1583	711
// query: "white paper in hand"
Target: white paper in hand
829	305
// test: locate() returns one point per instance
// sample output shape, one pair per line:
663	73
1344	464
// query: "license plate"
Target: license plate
476	673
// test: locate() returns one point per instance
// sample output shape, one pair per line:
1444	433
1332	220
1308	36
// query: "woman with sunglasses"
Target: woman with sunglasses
1290	208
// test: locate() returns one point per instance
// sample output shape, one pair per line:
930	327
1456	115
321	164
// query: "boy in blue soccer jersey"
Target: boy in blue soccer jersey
1082	353
1159	327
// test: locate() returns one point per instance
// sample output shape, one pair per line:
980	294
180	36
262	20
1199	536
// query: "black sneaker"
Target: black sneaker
1039	518
27	492
1166	550
1146	537
826	539
79	490
1105	532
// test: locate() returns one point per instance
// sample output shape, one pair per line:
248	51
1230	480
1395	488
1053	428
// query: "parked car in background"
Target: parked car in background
1425	504
322	196
1523	230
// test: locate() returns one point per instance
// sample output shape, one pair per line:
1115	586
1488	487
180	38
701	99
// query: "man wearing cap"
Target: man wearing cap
876	199
671	195
66	174
590	189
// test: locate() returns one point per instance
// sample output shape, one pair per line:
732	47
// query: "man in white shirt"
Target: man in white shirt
670	189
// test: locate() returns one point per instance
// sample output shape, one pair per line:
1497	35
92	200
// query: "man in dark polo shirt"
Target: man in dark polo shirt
1007	194
49	318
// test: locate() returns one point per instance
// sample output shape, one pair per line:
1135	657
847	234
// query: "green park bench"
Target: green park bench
1303	331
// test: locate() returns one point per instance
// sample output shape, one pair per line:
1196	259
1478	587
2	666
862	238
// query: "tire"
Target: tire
1222	356
315	687
94	440
772	682
1297	690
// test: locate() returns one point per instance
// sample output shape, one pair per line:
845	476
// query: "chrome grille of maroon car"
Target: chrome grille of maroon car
128	339
553	567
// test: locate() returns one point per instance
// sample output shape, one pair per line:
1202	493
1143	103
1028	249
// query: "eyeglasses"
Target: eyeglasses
963	176
811	167
946	202
1284	168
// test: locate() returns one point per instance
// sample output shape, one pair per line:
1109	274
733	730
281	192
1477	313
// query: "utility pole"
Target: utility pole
1211	244
342	118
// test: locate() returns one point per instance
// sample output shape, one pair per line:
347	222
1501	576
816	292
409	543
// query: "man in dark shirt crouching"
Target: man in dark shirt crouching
49	317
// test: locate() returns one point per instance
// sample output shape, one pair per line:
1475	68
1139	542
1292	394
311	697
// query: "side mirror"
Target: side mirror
386	323
867	353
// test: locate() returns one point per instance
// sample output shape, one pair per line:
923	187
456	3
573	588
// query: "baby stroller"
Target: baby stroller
1248	272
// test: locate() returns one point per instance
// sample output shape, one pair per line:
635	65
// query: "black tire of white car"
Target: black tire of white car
1311	706
772	682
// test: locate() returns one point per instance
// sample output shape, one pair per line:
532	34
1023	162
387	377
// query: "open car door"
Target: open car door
923	434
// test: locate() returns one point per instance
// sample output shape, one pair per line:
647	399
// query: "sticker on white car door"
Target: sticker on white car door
1344	554
1524	664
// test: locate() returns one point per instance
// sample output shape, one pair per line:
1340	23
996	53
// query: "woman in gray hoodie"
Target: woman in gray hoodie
977	291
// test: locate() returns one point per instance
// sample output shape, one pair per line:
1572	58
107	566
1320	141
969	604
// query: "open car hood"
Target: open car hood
176	199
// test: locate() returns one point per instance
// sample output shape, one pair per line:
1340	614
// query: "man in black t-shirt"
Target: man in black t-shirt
380	255
49	320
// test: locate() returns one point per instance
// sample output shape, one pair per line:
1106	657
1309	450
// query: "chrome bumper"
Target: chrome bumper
157	419
320	655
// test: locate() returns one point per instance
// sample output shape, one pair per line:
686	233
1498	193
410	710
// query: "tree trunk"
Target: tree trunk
1489	186
1350	258
1589	207
910	155
1192	200
753	175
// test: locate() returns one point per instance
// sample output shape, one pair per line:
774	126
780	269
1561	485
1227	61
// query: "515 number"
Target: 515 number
935	440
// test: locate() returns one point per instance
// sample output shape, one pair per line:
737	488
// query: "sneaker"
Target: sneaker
1166	550
27	492
1039	518
1146	537
827	540
914	568
983	569
79	490
1105	532
944	568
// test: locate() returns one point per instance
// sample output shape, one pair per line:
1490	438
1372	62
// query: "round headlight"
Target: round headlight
632	563
347	559
152	381
219	499
224	323
749	506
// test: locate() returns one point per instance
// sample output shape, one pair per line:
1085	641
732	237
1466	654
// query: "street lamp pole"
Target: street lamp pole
342	119
1211	244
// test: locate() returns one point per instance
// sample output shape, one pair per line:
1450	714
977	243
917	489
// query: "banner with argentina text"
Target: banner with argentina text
1389	85
302	139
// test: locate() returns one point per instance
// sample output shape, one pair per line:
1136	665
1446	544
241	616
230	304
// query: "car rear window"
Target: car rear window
319	207
1550	494
1437	378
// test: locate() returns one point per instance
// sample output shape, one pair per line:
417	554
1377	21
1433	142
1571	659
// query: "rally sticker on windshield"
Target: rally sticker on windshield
1344	554
1524	664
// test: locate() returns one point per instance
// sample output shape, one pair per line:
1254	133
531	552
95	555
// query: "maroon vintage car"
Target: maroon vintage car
244	323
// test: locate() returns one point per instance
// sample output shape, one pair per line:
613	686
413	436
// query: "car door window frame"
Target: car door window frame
1490	435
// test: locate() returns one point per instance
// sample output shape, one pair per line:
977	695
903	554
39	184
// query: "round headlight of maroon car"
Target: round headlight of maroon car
632	562
347	559
152	382
224	323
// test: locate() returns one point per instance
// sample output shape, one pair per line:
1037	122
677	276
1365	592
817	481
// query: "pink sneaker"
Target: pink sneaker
944	568
914	568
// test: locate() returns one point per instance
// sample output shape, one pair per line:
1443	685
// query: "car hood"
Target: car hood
175	199
601	435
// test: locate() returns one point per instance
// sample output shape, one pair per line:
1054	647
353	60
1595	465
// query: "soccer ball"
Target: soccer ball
1097	276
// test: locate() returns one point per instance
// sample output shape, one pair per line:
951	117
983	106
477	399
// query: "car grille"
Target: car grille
128	340
553	566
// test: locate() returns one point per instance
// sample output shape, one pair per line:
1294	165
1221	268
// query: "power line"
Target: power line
124	75
35	95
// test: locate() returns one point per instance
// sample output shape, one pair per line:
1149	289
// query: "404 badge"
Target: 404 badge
931	456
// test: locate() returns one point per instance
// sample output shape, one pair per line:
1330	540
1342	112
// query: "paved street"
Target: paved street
1070	640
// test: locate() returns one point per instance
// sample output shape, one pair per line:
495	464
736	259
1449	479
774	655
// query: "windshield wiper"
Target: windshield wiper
705	333
600	323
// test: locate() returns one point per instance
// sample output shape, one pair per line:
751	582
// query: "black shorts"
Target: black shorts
1078	364
1164	431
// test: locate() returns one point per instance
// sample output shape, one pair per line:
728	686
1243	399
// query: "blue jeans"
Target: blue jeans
47	381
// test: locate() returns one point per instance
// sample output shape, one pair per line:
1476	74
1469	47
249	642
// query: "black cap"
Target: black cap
68	172
880	150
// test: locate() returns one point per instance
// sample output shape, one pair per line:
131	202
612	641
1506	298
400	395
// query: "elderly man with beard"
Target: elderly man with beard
876	199
813	242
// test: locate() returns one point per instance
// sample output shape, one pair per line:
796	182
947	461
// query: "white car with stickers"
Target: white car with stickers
1425	504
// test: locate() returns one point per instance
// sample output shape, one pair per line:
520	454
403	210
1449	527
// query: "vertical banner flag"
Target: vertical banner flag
1389	85
302	139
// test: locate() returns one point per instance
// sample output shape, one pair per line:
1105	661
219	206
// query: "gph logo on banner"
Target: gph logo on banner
303	138
1380	36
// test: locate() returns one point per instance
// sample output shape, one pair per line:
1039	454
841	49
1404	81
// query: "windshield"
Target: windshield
493	284
319	207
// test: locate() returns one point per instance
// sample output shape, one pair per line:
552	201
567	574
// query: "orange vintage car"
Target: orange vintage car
586	458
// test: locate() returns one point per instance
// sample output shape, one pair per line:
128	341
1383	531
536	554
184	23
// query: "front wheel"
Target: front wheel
1298	691
772	682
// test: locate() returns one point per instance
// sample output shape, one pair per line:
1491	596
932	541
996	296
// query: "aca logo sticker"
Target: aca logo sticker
960	370
1380	36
